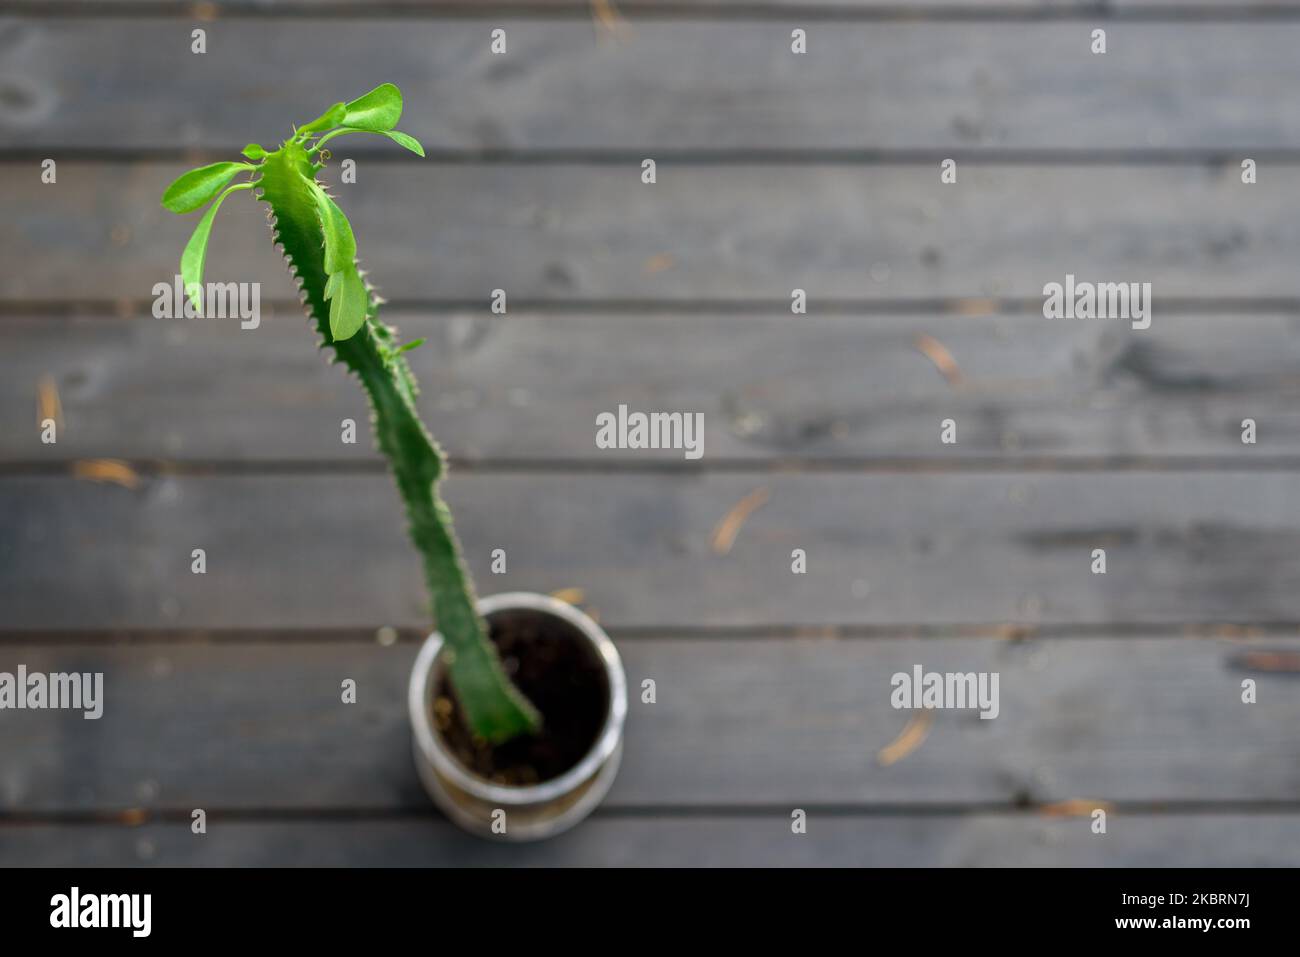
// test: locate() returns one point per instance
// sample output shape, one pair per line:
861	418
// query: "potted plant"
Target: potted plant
522	758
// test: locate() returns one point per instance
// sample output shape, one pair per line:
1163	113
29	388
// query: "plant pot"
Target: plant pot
479	787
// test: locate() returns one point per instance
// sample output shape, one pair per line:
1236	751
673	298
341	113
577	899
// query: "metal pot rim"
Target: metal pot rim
430	744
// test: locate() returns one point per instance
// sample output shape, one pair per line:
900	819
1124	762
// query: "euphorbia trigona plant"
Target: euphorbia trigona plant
320	248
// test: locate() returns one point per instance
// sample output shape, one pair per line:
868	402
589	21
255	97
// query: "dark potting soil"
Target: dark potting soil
555	668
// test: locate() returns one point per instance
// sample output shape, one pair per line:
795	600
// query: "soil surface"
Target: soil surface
551	663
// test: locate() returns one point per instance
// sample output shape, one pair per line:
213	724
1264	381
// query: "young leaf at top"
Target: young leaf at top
197	187
327	120
406	140
378	110
254	151
397	136
196	250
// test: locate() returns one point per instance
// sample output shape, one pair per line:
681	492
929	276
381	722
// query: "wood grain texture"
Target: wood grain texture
630	9
775	172
967	840
317	550
677	9
669	86
575	232
778	722
771	386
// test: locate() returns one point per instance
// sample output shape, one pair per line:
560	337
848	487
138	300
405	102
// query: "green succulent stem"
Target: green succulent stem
318	245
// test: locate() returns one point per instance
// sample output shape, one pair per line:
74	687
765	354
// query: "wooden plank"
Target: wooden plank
976	840
306	549
671	86
622	9
776	723
678	9
771	386
577	232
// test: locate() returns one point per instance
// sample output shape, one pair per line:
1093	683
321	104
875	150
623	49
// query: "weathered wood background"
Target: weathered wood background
775	172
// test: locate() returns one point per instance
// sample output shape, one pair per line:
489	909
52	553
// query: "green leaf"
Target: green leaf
197	187
327	120
254	151
348	305
196	250
405	139
397	136
378	110
413	344
340	243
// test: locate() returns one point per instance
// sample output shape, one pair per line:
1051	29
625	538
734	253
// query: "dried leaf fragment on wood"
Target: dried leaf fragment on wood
48	404
574	596
606	16
1074	807
909	739
938	353
106	470
725	532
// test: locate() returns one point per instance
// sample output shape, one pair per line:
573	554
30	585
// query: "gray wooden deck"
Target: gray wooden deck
775	172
